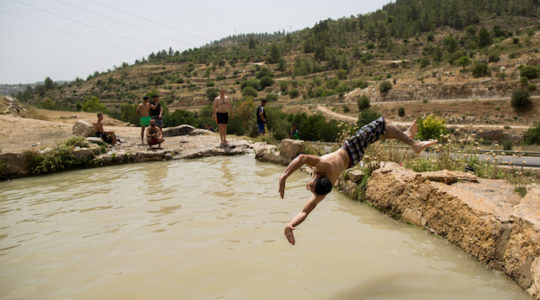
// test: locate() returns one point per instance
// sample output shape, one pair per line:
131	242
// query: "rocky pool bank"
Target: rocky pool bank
486	218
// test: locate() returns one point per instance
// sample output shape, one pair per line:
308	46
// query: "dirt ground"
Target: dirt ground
19	134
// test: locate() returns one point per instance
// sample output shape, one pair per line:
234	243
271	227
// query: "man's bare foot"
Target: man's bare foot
411	132
420	146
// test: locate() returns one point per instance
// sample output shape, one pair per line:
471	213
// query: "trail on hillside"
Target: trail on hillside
345	118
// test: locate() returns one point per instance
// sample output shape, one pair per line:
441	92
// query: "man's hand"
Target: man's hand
282	186
289	234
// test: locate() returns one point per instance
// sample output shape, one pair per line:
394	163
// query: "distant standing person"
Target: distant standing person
143	111
156	112
220	111
261	117
154	136
106	136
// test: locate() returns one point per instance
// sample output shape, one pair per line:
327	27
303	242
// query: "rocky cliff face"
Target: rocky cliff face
486	218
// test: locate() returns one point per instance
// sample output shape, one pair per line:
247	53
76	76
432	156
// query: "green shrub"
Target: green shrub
367	116
93	104
532	87
363	103
532	136
360	83
385	87
293	93
422	164
480	69
431	128
283	87
266	81
249	91
521	190
271	97
521	100
529	71
401	112
76	141
254	83
212	93
507	145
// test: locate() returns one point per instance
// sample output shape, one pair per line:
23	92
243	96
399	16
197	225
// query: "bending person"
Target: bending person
327	168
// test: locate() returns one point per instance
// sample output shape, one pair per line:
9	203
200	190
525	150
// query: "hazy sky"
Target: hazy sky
64	39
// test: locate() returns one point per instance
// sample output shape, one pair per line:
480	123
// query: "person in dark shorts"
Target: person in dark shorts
156	111
107	136
327	168
261	118
220	110
154	136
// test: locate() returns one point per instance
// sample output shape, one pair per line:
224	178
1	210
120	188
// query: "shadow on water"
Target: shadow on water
402	286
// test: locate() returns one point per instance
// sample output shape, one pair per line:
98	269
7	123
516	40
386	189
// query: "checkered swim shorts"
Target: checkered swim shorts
368	134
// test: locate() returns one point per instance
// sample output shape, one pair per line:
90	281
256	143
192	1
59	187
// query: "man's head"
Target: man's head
156	98
263	102
153	123
320	185
145	99
99	116
222	92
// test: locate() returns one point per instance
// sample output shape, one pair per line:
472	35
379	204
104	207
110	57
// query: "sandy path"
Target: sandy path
345	118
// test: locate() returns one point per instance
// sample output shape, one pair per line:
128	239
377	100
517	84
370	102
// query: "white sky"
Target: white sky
64	39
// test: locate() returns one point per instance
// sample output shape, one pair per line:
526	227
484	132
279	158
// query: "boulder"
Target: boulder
291	148
13	165
83	154
355	175
269	153
178	131
83	128
200	132
95	140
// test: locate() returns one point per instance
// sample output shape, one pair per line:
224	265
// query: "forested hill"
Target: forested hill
478	38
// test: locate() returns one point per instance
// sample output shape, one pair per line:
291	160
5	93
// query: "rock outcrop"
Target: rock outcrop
288	149
178	130
13	165
486	218
82	128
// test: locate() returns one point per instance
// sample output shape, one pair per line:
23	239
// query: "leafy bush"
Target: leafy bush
76	141
212	93
431	128
363	103
254	83
422	164
532	136
293	93
529	71
507	145
266	81
521	100
367	116
360	83
249	91
271	97
521	190
283	87
93	104
385	87
480	69
401	111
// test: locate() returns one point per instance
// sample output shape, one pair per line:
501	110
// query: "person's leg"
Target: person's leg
142	134
393	132
221	135
225	134
113	138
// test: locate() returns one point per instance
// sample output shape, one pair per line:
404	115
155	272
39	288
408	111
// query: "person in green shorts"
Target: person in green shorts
143	111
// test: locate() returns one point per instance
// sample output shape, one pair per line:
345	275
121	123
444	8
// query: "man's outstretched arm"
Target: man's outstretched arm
300	160
301	216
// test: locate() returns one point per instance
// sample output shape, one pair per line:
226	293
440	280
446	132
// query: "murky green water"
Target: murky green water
212	229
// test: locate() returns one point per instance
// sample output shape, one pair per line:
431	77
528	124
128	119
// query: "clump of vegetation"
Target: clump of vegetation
363	103
521	100
367	116
532	136
431	127
401	111
385	87
481	69
521	190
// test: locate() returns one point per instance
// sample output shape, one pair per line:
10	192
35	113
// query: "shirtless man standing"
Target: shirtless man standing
220	111
143	111
327	168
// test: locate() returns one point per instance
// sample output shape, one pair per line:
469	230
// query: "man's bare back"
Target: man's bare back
143	110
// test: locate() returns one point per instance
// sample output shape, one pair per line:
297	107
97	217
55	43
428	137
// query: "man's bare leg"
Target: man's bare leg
393	132
411	131
142	134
